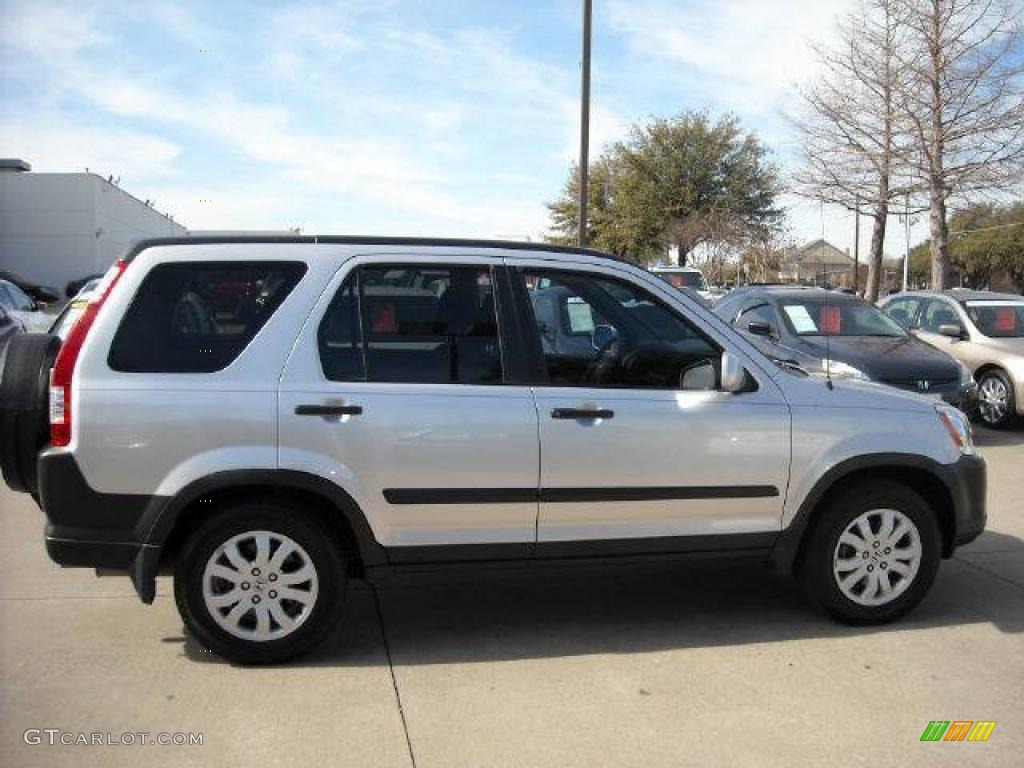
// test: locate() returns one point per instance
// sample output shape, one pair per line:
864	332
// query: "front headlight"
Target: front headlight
958	427
841	369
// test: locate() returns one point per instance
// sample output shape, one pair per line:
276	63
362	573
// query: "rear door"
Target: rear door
640	453
401	391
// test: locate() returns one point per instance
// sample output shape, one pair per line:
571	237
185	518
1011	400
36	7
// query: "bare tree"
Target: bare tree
761	260
853	131
965	101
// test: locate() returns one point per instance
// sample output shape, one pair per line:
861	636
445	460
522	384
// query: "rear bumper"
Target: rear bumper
89	529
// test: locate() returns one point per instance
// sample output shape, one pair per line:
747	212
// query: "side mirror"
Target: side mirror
734	375
759	328
951	330
603	335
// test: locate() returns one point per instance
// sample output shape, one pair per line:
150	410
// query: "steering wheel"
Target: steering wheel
604	362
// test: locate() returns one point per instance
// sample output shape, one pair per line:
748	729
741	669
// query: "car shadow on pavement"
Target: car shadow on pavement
985	437
547	612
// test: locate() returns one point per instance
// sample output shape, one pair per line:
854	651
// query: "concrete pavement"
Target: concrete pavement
655	665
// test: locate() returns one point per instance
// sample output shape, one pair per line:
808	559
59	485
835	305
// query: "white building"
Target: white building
57	227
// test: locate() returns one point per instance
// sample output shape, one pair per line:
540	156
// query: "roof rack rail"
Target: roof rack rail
511	245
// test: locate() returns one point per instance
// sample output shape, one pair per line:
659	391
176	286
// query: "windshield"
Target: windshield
998	319
685	279
817	317
67	318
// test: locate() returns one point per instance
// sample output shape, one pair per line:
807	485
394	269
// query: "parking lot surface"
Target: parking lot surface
709	664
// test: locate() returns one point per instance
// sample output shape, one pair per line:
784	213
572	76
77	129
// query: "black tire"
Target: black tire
24	407
998	377
323	552
823	539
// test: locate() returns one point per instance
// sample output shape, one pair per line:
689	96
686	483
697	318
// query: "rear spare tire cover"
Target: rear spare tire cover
24	407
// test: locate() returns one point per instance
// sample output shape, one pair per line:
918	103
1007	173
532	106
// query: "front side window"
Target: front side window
760	313
413	324
937	313
595	331
997	319
197	317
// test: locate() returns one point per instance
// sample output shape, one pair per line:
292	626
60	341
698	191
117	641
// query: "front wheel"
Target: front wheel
260	583
996	403
873	554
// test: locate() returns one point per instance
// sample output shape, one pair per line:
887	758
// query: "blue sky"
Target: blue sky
432	118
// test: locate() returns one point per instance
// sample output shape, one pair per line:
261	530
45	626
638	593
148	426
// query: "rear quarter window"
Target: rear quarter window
197	317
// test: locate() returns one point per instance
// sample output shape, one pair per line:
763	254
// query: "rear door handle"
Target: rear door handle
328	410
582	413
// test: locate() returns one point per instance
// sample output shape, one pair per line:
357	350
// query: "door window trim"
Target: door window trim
534	350
512	369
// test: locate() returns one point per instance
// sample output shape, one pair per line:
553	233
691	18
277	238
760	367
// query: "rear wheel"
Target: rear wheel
24	407
260	583
996	403
873	553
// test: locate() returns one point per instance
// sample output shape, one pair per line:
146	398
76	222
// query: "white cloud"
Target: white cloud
51	147
52	29
747	52
745	57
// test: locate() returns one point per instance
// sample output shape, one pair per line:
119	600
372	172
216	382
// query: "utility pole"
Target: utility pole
585	126
856	243
906	257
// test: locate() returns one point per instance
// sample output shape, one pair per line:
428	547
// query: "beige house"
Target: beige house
817	263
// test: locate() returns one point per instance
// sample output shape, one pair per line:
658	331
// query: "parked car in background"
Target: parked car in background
74	287
689	278
43	294
9	326
983	330
73	309
810	326
20	305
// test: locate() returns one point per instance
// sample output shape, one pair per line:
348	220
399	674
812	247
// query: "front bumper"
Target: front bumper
965	398
967	483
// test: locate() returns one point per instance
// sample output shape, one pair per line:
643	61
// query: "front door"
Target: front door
640	450
934	314
399	392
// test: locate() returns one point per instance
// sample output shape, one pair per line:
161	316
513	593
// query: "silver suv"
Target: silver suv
268	418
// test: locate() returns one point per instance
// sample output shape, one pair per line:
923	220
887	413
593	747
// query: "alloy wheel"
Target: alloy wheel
993	399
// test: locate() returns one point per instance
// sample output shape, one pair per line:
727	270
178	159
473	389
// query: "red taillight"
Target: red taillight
64	366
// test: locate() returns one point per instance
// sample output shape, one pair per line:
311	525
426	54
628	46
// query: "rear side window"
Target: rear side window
416	324
197	317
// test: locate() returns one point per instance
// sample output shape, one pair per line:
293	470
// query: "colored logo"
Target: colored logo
958	730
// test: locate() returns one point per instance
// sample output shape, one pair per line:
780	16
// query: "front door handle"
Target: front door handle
582	413
328	410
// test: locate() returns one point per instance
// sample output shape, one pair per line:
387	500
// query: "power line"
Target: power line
987	229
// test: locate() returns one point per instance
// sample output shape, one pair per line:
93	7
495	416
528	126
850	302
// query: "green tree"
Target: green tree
681	181
985	239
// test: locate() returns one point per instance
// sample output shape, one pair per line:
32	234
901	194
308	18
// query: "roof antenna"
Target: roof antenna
824	278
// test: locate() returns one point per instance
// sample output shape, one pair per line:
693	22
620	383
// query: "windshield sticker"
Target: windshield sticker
800	318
